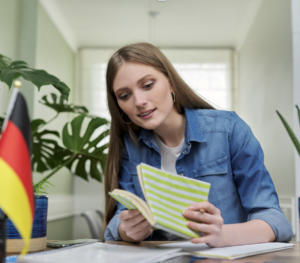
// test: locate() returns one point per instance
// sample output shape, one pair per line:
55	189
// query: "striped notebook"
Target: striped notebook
167	195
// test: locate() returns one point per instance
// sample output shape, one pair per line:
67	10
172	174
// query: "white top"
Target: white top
168	155
168	163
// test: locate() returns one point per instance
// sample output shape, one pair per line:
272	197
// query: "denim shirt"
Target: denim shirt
220	149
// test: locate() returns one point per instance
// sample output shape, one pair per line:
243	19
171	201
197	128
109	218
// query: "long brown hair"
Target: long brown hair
150	55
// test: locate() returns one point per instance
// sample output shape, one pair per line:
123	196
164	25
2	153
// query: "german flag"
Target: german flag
16	190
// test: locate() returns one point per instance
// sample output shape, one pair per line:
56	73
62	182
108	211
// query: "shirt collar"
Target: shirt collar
193	129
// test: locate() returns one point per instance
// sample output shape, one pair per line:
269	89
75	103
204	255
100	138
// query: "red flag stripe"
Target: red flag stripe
19	161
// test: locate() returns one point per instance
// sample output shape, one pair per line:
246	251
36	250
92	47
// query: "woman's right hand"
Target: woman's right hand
134	227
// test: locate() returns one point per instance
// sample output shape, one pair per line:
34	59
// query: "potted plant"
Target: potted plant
52	150
290	131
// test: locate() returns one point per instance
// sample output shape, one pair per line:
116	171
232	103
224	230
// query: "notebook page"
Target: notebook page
168	195
100	253
232	252
132	201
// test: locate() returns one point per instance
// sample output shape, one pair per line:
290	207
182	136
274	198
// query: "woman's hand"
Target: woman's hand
210	223
134	227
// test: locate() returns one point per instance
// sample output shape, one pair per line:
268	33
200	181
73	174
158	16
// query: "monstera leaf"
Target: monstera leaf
83	150
43	157
59	105
12	70
4	62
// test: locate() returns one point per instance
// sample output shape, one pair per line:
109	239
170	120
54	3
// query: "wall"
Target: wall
265	85
55	56
26	32
9	39
296	80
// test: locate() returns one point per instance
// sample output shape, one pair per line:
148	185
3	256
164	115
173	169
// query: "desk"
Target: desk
287	255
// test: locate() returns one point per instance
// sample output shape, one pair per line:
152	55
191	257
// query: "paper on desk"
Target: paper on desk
232	252
100	252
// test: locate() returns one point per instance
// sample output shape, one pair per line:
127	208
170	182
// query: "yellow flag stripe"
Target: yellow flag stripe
15	203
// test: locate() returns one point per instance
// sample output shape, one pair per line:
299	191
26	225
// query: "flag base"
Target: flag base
16	245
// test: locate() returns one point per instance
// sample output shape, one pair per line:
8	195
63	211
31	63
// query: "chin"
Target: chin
149	126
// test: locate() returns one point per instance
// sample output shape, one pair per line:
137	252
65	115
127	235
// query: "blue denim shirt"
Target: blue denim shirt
221	149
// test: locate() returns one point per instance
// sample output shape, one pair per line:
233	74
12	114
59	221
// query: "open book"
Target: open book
167	195
106	253
233	252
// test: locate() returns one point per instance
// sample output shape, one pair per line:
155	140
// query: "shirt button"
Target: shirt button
188	147
184	152
182	174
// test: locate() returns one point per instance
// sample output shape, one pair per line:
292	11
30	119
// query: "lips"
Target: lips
146	113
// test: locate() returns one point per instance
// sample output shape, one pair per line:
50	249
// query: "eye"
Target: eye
124	97
149	85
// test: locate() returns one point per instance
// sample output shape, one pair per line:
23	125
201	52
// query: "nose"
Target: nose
140	99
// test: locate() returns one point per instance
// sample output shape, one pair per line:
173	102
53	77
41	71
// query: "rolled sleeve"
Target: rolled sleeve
112	230
254	183
278	222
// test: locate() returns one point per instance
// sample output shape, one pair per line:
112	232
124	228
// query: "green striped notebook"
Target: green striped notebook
167	195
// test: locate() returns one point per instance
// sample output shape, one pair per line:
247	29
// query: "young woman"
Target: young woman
157	119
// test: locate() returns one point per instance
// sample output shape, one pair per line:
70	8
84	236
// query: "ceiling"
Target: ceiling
179	23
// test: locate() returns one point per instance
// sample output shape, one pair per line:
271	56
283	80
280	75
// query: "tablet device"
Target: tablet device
67	243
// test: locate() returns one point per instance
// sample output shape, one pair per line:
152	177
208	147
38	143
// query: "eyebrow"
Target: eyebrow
138	82
141	79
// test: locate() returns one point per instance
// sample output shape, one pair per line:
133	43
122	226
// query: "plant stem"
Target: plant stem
51	119
57	169
41	126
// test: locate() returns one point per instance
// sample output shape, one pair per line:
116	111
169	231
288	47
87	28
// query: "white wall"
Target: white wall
265	84
296	70
9	37
55	56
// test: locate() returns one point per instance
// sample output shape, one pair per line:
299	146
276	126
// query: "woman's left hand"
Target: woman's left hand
210	223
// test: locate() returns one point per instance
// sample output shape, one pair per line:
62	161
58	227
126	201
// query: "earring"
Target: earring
173	96
123	120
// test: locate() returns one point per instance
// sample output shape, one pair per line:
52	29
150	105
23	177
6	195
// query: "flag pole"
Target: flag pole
16	89
3	217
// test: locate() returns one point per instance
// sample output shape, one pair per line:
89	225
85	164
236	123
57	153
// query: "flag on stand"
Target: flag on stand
16	190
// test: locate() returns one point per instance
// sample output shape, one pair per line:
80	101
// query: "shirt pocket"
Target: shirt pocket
217	167
135	179
217	174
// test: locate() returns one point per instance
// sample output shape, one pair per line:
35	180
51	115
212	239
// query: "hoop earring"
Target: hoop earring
173	96
123	120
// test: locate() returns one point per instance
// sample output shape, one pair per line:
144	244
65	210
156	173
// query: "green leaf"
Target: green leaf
63	89
83	149
18	65
13	70
4	62
40	187
38	77
60	105
35	124
290	132
298	110
44	150
1	123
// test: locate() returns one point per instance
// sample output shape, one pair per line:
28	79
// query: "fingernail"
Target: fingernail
191	207
183	212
